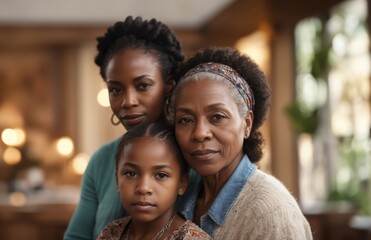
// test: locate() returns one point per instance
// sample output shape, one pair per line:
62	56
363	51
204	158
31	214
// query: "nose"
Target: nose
130	99
144	186
201	131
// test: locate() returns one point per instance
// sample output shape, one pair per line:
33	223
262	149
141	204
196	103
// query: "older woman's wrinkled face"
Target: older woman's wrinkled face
208	126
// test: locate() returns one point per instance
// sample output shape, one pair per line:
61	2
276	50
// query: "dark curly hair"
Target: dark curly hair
150	36
255	78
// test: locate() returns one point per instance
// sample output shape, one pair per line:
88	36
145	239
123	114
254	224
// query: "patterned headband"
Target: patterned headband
231	75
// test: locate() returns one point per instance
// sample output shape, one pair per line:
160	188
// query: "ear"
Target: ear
248	121
169	87
183	184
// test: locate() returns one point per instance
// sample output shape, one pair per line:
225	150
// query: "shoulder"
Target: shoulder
108	148
195	231
104	154
188	231
263	188
266	208
114	229
265	197
101	167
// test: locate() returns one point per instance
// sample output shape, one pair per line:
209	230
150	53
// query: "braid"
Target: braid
159	131
151	36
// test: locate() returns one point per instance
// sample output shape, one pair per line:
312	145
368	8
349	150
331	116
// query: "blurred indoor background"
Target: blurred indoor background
54	112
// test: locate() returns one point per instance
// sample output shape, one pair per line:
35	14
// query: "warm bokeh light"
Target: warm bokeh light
12	156
103	98
80	162
13	137
17	199
21	136
65	146
9	136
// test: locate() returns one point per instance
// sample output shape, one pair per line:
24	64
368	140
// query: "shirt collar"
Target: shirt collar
226	196
230	190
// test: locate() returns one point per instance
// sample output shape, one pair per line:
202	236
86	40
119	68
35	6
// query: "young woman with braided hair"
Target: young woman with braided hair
137	60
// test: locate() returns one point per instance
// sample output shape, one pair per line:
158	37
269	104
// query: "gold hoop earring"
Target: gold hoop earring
167	100
113	121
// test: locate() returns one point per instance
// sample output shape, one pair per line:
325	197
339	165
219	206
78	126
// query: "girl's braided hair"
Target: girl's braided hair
159	131
150	36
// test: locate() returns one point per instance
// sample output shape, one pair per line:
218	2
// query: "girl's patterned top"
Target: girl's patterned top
187	231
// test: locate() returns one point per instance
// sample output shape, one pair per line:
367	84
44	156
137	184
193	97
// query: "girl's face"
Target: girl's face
209	128
149	180
137	91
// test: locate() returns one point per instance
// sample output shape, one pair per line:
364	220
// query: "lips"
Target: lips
204	154
132	119
143	206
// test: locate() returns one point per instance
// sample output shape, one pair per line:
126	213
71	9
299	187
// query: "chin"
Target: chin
143	217
206	171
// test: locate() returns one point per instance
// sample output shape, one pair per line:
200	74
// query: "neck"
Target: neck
155	229
214	183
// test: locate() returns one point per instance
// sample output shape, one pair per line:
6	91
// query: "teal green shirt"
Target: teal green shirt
99	201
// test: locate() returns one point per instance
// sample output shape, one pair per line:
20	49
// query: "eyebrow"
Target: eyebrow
156	167
208	108
162	166
184	110
113	81
128	164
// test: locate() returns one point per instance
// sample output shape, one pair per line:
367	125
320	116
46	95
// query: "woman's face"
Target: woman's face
149	179
136	88
208	126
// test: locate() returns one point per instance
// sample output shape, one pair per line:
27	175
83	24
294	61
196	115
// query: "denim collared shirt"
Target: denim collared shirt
217	213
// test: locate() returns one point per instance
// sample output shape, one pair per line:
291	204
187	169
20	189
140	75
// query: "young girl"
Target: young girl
150	174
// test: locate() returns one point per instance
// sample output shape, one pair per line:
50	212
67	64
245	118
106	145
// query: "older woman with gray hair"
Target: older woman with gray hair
220	101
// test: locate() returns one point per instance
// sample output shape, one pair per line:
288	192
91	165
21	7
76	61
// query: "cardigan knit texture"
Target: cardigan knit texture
264	209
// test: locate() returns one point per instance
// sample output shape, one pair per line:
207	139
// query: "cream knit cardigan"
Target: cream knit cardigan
264	209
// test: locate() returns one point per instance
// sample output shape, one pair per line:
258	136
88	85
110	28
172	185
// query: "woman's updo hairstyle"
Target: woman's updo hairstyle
151	37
